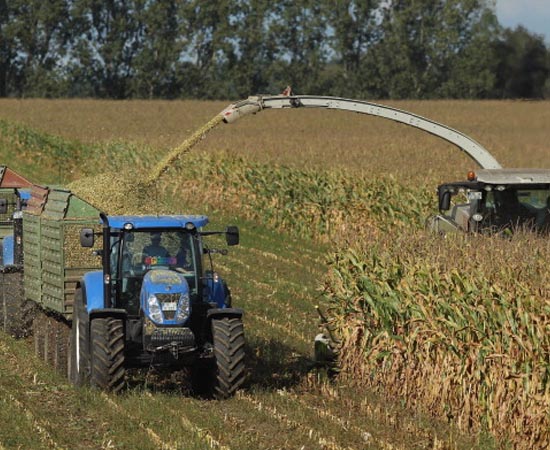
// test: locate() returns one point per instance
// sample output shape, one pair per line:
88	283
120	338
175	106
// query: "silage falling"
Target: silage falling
118	193
182	149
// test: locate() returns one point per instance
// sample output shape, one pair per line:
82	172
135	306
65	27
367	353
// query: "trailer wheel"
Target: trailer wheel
107	354
39	335
229	342
17	313
78	366
59	345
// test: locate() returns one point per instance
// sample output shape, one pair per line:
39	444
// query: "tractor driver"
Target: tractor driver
155	249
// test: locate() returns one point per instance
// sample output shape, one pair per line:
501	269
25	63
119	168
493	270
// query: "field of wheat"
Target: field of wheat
455	328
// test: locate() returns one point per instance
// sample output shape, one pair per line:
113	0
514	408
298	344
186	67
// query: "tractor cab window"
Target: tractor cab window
134	253
517	208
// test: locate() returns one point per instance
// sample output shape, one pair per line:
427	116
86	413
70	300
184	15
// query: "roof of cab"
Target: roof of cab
149	222
513	176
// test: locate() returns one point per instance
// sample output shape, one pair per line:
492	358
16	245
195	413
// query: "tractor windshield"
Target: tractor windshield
517	207
136	252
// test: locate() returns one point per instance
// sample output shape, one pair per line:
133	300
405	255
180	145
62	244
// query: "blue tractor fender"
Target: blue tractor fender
8	245
216	291
94	299
92	285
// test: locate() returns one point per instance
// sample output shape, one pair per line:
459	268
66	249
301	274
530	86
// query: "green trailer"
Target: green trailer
54	260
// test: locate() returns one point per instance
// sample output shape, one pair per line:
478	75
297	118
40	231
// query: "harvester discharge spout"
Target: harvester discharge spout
287	100
235	111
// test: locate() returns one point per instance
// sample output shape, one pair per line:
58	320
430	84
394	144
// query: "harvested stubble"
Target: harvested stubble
458	327
123	193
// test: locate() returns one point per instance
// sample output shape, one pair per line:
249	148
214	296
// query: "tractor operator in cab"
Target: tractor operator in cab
155	249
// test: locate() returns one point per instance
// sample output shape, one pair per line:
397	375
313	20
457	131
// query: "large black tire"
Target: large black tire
78	367
229	342
107	354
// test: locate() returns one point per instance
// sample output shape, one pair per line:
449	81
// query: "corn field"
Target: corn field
455	326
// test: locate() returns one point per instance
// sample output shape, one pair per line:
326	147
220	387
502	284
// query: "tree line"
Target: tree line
231	49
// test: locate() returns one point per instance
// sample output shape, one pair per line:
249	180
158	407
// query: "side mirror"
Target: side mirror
444	200
87	237
232	235
3	206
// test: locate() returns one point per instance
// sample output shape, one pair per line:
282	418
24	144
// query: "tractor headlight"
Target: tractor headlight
183	308
155	312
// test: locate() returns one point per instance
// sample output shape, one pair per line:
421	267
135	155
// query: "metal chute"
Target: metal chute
258	103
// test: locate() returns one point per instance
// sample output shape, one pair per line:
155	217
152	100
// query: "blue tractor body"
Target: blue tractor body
155	284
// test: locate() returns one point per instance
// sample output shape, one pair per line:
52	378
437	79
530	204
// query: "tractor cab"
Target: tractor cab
144	261
496	200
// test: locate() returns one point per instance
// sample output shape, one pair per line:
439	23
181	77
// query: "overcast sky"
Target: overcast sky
532	14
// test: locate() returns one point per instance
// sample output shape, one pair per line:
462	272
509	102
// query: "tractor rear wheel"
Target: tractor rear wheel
107	354
78	366
229	342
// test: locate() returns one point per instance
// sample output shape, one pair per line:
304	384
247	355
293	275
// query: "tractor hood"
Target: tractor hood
165	297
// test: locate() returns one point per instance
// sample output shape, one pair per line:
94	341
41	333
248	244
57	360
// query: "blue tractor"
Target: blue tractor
155	302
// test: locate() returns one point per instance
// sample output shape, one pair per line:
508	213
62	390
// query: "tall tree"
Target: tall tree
523	68
421	42
157	62
106	41
256	48
474	71
211	48
33	39
7	50
298	30
353	30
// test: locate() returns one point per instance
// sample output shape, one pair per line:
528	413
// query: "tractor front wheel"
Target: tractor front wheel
229	342
107	354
